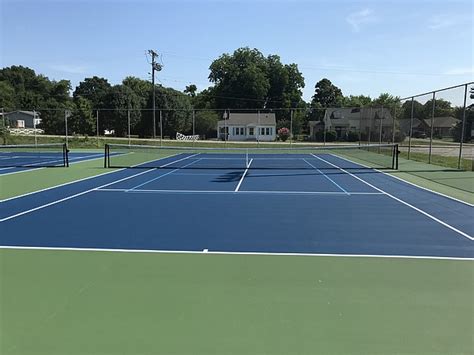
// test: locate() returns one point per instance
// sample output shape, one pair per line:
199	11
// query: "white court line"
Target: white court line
27	169
401	201
243	176
168	173
407	182
244	192
80	193
72	196
61	185
73	182
235	253
327	177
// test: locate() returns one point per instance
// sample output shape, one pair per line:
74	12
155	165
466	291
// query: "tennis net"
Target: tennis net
39	155
380	156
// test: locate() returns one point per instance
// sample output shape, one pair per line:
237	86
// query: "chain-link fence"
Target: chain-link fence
433	128
438	127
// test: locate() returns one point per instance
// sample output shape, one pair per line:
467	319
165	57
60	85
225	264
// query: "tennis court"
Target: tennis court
237	251
279	202
17	158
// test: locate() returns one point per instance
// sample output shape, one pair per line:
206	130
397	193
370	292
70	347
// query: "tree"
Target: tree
327	95
443	108
7	97
293	90
240	79
191	90
82	121
206	123
248	79
34	91
177	113
142	88
95	90
356	101
121	100
31	91
418	110
469	124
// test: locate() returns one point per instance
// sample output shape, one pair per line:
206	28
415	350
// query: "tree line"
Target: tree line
243	80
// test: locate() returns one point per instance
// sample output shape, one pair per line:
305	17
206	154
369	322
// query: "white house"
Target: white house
247	127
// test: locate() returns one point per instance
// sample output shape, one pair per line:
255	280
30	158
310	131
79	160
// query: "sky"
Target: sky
364	47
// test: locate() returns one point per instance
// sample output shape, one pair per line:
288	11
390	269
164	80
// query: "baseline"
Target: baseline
216	252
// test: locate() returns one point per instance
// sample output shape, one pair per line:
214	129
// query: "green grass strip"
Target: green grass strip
28	181
59	302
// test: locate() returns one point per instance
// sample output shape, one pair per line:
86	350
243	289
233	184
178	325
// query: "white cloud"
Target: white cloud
359	18
70	68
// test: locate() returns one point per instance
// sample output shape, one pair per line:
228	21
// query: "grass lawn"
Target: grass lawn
67	302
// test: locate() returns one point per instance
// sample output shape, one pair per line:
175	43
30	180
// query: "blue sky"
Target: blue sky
364	47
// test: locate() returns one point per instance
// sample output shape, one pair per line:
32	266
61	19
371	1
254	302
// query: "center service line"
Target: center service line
243	176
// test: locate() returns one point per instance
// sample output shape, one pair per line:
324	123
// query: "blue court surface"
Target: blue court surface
24	161
308	204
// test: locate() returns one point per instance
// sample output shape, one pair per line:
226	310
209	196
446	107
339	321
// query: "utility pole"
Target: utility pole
154	67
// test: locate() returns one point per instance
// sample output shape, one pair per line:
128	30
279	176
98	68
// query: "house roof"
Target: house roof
343	116
247	119
442	122
405	124
315	123
29	113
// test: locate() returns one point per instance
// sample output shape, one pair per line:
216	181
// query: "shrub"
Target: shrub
352	136
331	136
399	137
283	134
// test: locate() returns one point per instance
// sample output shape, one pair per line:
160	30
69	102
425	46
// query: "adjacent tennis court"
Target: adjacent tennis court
258	241
17	158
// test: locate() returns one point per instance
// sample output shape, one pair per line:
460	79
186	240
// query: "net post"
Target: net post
65	156
396	154
106	155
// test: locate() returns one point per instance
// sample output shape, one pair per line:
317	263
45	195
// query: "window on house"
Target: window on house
262	131
267	130
239	131
251	131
